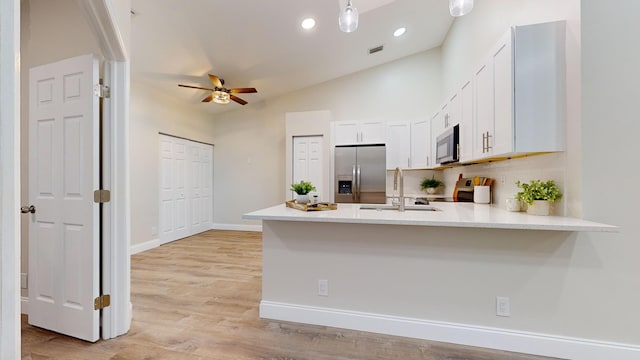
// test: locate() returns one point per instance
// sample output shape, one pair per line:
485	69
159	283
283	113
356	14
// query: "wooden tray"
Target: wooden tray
311	207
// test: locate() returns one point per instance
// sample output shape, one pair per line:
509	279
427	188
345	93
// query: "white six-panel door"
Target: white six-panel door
63	173
307	161
186	181
173	191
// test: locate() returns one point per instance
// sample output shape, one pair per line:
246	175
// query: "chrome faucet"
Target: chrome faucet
397	172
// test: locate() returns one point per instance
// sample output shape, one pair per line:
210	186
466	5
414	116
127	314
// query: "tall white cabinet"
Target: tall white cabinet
519	93
186	188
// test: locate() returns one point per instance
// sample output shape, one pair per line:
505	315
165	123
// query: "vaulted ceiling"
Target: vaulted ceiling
258	43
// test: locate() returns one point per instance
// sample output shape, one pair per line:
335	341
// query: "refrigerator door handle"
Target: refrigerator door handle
358	181
354	184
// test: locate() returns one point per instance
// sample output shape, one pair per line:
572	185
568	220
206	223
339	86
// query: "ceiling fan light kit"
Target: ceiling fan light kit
460	7
221	97
348	18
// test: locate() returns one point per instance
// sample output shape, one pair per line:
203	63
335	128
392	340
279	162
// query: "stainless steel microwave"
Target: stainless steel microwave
447	145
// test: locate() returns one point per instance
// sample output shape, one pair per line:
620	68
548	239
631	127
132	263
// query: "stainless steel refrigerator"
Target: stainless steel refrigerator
360	174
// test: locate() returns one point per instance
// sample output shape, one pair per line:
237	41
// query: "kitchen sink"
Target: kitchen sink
396	207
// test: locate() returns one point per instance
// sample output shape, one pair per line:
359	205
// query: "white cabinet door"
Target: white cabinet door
372	132
64	239
420	144
346	132
451	111
502	139
466	122
483	104
308	161
359	132
398	145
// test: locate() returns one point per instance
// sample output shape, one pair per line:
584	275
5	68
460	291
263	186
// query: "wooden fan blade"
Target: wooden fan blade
194	87
238	100
216	81
242	90
208	98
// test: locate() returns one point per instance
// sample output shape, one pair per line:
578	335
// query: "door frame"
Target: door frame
101	16
10	180
116	264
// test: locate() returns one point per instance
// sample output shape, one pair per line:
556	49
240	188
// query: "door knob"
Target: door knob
28	209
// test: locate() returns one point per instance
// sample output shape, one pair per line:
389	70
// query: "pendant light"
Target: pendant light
460	7
348	19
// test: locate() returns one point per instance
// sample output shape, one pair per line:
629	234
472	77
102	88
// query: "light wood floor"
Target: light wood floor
197	298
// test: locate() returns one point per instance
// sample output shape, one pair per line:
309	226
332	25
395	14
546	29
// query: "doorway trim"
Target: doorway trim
116	268
10	179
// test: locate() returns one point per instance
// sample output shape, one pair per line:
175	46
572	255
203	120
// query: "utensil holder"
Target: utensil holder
482	194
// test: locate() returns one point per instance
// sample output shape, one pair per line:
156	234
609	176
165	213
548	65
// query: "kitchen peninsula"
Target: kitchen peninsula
424	274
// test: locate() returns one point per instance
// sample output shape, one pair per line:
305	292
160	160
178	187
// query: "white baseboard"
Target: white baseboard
238	227
487	337
24	305
147	245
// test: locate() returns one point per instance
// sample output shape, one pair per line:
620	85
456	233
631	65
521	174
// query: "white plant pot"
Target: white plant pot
540	207
432	190
302	199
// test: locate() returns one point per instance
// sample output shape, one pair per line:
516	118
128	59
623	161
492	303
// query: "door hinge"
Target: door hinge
101	196
102	302
102	91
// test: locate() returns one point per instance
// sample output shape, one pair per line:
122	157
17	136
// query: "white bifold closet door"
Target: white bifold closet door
186	182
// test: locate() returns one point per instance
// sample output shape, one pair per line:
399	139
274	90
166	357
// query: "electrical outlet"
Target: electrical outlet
323	287
503	306
503	179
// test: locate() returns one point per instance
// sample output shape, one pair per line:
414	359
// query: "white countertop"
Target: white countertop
450	215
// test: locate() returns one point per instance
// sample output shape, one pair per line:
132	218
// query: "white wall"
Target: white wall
606	266
404	89
152	111
50	31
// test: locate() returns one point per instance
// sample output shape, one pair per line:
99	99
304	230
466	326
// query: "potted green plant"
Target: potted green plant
302	190
538	195
431	185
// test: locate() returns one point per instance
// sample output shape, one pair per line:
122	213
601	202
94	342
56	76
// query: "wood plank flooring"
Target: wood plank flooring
197	298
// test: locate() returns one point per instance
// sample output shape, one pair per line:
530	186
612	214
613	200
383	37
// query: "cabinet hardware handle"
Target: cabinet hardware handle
484	139
488	146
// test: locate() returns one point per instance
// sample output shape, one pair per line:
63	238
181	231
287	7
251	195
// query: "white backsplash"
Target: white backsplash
505	174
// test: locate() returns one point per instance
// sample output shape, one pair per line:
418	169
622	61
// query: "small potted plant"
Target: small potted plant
538	195
431	185
302	190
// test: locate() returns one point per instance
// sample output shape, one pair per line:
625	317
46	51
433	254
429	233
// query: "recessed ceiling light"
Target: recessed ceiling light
308	23
399	32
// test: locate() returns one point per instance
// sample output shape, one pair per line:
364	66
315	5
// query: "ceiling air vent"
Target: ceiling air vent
376	49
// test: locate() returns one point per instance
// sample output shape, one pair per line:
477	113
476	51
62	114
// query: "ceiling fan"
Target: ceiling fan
220	94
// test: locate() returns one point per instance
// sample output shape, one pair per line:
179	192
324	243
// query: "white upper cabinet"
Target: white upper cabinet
359	132
398	145
420	144
408	144
519	100
466	122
